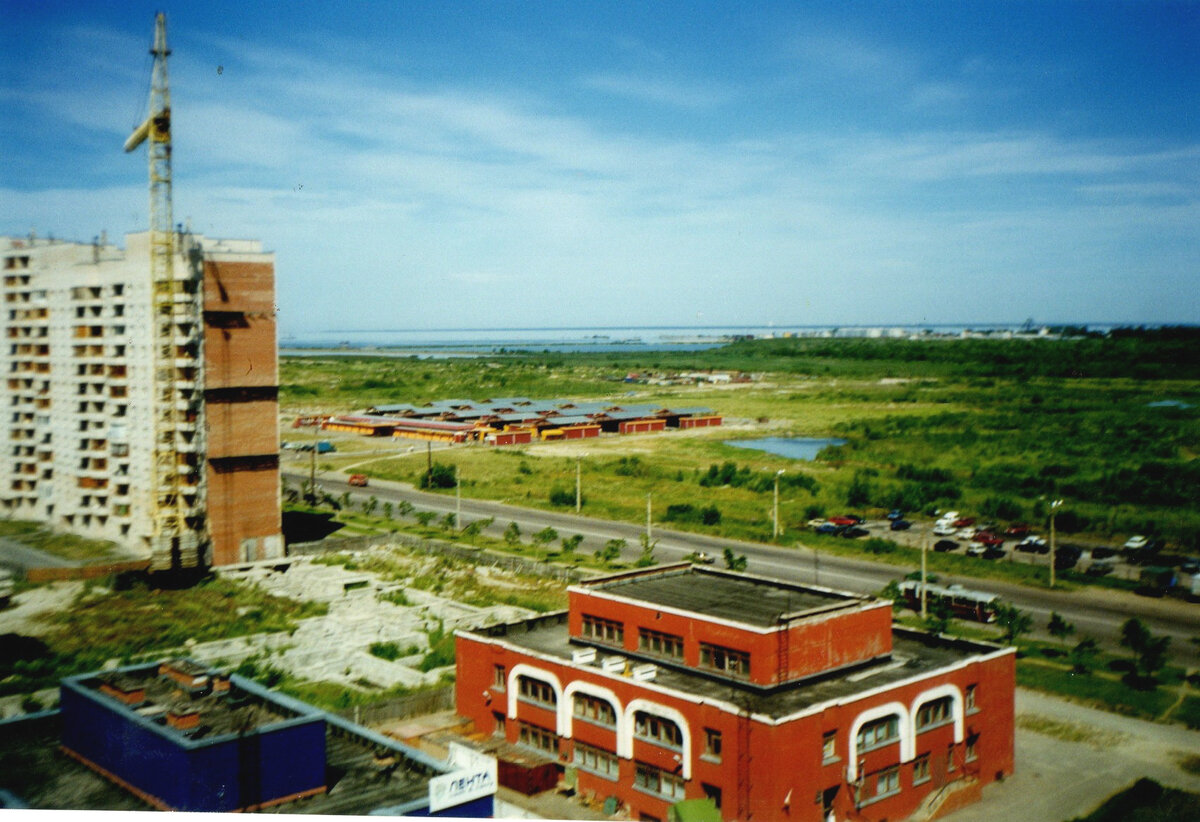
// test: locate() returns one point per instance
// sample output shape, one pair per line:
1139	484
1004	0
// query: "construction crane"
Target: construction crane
178	538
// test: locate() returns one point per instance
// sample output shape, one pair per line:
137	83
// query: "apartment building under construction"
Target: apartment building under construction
83	445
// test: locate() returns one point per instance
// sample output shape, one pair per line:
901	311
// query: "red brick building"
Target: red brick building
778	701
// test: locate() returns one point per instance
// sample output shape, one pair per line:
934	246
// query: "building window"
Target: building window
604	630
660	783
712	792
539	738
970	698
596	761
921	769
937	712
887	782
950	759
712	744
534	690
879	733
594	709
499	677
972	754
829	747
660	644
726	660
657	730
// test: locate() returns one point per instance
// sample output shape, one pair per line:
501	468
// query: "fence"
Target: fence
477	556
402	707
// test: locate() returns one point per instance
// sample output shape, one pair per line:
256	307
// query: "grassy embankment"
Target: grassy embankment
987	427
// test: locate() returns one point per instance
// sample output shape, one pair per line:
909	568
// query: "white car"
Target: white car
966	533
943	530
1136	543
948	516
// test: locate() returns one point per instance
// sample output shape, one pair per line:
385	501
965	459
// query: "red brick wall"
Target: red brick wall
242	412
782	772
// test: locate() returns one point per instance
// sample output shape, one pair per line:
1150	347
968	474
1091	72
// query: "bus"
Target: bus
963	602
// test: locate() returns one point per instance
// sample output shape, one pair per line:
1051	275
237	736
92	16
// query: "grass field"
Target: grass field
987	427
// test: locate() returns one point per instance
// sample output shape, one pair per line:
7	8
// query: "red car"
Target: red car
844	521
963	522
1017	529
988	539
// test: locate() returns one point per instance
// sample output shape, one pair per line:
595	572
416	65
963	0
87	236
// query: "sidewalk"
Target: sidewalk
1058	780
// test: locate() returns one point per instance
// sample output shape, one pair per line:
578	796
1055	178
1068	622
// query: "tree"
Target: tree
937	617
345	500
425	517
611	550
388	509
544	537
439	475
512	535
646	558
569	544
1059	628
1149	651
404	508
859	492
1083	656
733	562
448	521
369	505
472	529
1013	621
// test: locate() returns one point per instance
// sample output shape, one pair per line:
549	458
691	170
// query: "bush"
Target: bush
385	650
438	476
564	496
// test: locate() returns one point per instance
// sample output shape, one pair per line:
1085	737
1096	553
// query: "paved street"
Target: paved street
1096	612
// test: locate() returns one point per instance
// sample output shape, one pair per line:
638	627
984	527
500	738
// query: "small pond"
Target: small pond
797	448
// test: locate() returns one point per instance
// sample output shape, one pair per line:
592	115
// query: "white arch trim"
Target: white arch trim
626	727
533	672
956	707
566	706
907	744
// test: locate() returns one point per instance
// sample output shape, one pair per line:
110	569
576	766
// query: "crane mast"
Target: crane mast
178	538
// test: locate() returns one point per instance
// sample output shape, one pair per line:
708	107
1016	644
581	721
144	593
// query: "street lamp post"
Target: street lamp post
1054	506
457	500
578	486
648	535
775	529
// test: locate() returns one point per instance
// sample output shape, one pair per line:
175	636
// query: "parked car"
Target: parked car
1100	567
359	480
844	522
944	530
993	552
854	531
1033	545
816	523
900	525
1190	565
949	515
700	557
975	550
1103	552
988	539
945	545
967	533
1155	581
830	528
963	522
1136	543
1066	556
895	514
1017	529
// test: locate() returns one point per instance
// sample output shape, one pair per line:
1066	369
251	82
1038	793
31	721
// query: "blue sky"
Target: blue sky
432	165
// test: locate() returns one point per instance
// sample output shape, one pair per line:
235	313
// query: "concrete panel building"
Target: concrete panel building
77	443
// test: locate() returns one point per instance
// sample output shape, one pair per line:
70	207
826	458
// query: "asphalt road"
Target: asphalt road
1095	612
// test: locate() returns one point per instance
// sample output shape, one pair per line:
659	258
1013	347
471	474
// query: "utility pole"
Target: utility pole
1054	506
578	487
775	529
312	474
457	500
428	461
647	519
924	580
